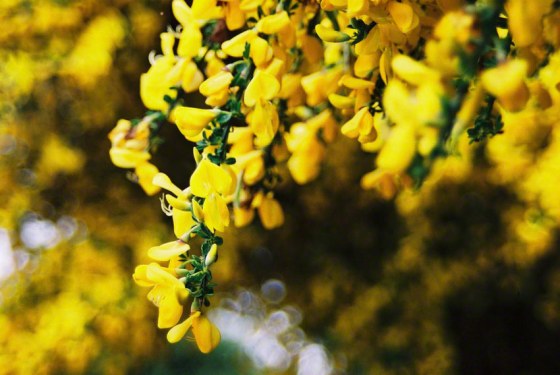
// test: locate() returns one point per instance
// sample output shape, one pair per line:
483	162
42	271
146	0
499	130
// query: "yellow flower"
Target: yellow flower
263	86
307	153
157	82
507	83
398	151
382	181
270	212
205	333
242	216
208	178
191	121
361	126
165	288
264	122
182	217
146	172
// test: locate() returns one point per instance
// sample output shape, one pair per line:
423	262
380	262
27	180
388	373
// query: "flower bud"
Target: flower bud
212	255
329	35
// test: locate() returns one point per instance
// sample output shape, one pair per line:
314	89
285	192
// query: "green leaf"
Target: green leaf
246	51
205	247
223	117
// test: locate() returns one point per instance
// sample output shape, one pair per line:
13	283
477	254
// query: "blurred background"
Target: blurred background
459	277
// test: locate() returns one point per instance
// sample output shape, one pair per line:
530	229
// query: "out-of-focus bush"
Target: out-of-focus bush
67	304
461	276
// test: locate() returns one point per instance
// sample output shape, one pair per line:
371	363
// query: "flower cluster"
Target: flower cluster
405	78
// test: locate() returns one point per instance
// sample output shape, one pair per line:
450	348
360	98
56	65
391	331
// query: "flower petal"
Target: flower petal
168	250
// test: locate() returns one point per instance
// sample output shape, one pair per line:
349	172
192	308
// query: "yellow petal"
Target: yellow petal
370	44
190	41
525	20
330	35
216	83
157	81
273	23
176	333
180	204
216	213
167	42
399	150
341	102
182	12
260	52
263	86
276	68
355	83
385	65
507	83
235	18
197	211
250	5
290	85
356	7
206	334
164	182
125	158
254	171
192	77
242	216
140	276
209	177
236	45
182	222
264	122
168	250
182	294
403	15
206	9
271	214
361	123
413	71
146	172
160	276
191	121
170	310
